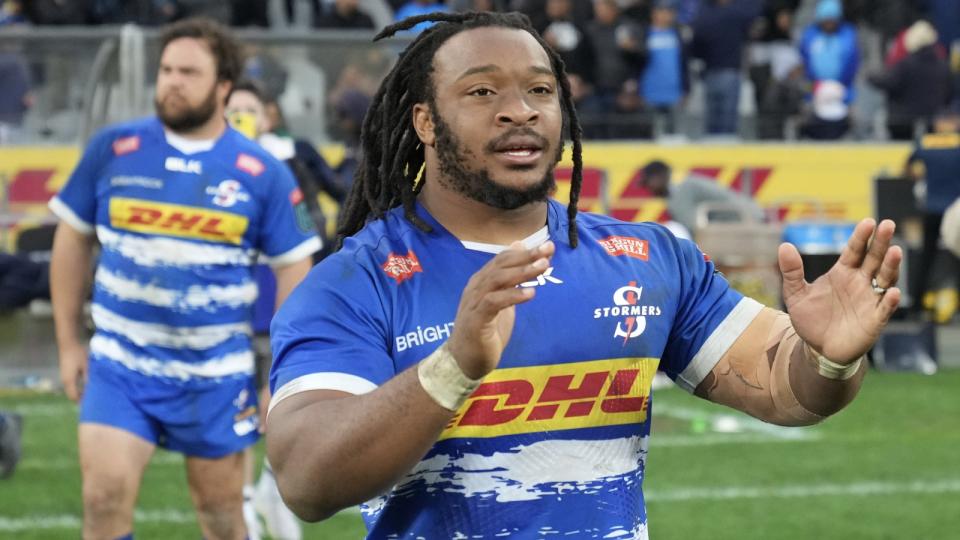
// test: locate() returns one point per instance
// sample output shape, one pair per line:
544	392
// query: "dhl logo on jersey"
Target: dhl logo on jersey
555	397
177	220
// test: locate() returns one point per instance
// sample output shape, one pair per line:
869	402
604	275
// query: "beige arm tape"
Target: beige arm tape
772	374
443	380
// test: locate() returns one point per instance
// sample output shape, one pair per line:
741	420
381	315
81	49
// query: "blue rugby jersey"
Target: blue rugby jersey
179	234
554	441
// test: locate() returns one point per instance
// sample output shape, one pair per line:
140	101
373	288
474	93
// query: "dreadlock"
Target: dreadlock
389	171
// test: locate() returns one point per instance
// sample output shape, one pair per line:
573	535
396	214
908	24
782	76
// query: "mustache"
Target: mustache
491	147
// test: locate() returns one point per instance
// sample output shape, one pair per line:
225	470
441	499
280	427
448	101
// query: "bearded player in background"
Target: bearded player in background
182	206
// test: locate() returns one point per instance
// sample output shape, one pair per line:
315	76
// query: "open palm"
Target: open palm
840	314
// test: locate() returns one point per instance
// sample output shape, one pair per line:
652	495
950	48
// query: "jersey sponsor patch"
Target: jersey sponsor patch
250	164
626	245
177	220
126	145
556	397
402	267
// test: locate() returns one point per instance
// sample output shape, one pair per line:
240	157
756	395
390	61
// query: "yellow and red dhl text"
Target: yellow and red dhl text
556	397
177	220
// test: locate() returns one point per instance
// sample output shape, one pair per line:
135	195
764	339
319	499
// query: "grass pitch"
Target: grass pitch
887	467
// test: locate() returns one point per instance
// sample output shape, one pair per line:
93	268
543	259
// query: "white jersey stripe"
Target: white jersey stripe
238	363
305	249
208	298
162	251
144	334
342	382
65	213
719	341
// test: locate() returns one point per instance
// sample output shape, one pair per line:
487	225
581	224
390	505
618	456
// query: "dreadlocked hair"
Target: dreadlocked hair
393	156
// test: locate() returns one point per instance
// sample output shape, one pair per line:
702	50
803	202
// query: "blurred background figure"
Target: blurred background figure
619	52
15	95
936	162
11	426
350	111
776	69
565	33
665	82
917	85
829	48
720	34
419	7
343	14
829	117
684	198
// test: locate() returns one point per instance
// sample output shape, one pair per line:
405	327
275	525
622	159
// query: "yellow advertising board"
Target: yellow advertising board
788	176
799	179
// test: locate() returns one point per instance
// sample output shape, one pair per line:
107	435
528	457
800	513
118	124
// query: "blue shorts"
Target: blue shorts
209	423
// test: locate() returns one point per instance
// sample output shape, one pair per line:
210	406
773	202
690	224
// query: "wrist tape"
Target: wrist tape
444	381
832	370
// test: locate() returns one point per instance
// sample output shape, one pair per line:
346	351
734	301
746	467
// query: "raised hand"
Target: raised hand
486	313
842	313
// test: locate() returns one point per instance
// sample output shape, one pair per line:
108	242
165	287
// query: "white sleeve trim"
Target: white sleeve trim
718	343
65	213
305	249
341	382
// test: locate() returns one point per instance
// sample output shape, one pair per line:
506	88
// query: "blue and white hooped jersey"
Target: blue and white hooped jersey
554	441
179	234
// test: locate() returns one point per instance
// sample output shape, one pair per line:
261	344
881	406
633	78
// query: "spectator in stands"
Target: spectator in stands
776	70
935	159
15	95
720	34
11	12
945	15
142	12
477	5
917	86
570	40
829	118
537	10
217	10
419	7
57	12
684	198
343	14
619	55
350	112
664	83
250	13
829	48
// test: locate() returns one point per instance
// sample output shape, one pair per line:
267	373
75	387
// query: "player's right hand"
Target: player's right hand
486	313
73	371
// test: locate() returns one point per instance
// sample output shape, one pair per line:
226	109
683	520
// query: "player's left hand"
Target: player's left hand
841	314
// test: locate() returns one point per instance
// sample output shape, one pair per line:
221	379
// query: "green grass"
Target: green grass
847	475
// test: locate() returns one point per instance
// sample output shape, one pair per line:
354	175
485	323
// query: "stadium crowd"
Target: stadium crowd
811	69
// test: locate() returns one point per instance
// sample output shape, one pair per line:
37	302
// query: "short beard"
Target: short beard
189	119
478	185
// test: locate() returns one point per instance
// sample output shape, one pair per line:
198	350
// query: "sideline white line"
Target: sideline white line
855	489
161	459
45	409
66	521
715	439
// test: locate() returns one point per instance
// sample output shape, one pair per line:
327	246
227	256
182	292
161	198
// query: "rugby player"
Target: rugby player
182	206
475	360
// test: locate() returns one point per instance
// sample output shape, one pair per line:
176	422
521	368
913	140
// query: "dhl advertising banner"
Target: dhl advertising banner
796	179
